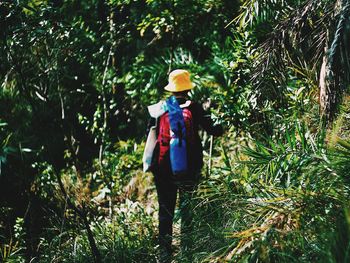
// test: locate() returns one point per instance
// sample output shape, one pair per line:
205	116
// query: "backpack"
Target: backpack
175	137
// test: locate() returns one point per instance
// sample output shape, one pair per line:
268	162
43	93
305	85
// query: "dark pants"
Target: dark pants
167	190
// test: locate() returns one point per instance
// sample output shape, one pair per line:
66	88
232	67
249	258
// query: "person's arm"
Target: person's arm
151	123
207	123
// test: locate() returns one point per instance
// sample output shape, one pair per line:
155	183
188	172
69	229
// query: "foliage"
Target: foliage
127	237
76	77
284	201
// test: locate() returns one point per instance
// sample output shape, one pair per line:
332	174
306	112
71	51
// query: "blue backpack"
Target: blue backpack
175	134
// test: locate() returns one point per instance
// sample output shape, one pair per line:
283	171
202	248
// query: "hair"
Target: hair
180	93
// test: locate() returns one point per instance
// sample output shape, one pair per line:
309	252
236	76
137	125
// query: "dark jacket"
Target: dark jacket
201	119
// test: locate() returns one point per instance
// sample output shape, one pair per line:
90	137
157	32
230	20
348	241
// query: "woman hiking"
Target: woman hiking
167	180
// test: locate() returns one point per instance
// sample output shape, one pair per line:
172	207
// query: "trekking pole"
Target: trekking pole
210	154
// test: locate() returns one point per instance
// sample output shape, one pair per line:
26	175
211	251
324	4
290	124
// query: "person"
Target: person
168	185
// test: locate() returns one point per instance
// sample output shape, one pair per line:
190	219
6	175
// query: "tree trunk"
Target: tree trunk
335	69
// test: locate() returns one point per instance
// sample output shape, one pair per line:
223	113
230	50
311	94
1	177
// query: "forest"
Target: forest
76	78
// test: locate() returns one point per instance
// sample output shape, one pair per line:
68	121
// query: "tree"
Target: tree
305	35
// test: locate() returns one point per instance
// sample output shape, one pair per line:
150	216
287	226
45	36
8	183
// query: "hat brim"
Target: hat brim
176	88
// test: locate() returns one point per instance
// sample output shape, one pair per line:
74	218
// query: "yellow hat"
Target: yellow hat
179	80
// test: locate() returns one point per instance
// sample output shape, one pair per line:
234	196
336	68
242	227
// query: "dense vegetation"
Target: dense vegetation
76	78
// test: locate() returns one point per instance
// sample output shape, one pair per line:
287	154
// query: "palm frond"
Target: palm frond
297	39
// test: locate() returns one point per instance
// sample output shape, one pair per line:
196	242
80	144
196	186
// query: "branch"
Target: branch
83	215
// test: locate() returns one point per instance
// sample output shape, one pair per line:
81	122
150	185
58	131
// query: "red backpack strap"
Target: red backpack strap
188	119
164	137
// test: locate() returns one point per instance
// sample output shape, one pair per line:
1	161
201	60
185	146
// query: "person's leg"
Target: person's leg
185	194
166	191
